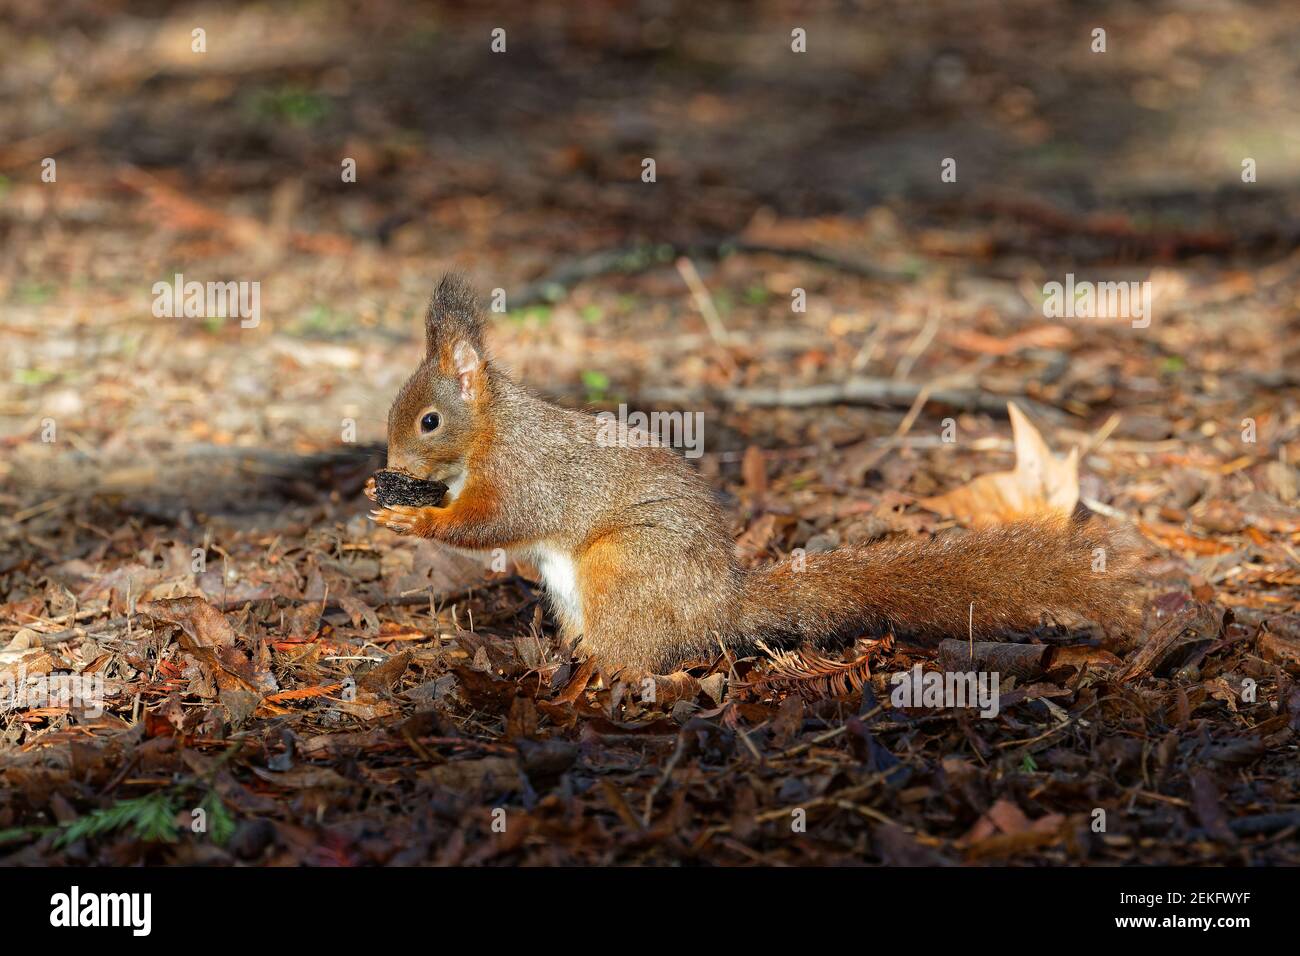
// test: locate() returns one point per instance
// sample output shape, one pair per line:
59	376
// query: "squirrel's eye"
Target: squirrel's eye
429	422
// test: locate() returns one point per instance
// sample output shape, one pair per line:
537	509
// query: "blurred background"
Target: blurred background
523	168
132	440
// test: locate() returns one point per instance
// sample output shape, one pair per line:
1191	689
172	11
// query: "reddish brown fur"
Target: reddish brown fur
982	582
647	546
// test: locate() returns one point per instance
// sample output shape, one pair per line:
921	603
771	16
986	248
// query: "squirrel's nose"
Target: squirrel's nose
398	461
411	465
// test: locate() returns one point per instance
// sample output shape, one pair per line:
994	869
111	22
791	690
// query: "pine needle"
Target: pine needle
812	676
152	818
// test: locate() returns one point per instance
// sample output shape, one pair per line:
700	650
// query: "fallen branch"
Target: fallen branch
632	260
854	391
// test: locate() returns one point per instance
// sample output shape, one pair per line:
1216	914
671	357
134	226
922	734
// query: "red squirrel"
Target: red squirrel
638	564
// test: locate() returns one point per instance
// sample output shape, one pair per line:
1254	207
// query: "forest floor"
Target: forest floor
182	519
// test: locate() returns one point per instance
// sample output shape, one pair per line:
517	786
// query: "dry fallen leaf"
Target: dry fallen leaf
208	637
1176	539
1040	484
753	468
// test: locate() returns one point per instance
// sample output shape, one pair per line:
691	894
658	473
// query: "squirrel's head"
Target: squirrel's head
437	415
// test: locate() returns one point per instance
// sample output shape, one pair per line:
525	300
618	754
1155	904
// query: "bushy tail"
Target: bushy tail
990	580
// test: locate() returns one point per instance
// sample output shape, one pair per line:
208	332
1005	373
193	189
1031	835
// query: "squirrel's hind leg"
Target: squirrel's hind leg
618	621
646	623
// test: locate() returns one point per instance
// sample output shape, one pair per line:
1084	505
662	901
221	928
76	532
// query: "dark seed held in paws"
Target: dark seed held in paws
399	488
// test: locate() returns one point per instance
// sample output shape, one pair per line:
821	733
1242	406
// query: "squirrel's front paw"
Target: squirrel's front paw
405	519
371	491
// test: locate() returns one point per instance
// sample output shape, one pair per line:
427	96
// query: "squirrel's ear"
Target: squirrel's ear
453	317
467	363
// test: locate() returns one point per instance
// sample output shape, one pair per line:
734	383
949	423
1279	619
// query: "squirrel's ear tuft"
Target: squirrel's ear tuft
453	318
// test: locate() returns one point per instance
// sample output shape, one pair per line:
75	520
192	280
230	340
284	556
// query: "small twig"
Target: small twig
703	301
842	798
1098	438
663	779
828	735
918	346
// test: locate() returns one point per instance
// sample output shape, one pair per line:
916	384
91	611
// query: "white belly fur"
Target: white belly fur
560	576
557	568
455	486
